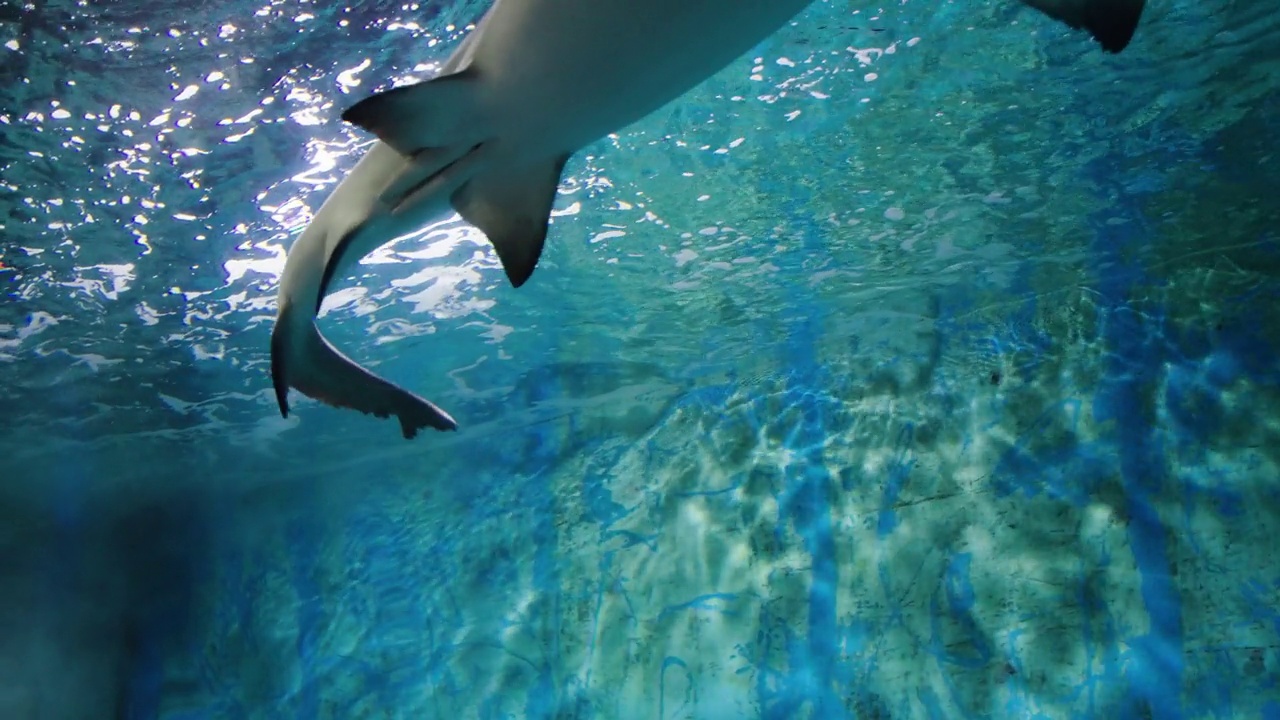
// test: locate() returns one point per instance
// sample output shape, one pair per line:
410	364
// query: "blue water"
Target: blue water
921	364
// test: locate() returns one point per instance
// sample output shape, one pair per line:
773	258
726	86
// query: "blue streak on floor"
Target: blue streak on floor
811	665
1124	398
543	447
898	472
303	539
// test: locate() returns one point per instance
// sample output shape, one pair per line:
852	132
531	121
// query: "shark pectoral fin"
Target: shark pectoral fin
512	207
307	362
438	113
1111	22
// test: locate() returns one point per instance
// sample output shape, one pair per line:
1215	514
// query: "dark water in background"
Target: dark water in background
924	367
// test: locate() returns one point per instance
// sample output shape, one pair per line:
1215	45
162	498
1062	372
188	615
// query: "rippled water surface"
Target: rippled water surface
922	363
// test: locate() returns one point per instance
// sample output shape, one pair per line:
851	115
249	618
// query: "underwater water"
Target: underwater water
921	364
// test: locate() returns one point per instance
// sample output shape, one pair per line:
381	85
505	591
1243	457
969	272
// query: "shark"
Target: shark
489	136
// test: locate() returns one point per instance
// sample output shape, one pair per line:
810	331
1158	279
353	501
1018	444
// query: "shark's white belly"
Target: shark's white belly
556	75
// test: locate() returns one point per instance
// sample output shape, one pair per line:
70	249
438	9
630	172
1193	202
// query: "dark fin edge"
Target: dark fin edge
277	363
1113	23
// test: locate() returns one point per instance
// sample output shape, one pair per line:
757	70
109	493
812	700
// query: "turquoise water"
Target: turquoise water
921	364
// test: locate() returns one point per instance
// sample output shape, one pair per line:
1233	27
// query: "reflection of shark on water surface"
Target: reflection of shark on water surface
560	406
534	82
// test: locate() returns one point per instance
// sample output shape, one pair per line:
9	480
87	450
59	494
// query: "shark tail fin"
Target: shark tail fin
302	359
1111	22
